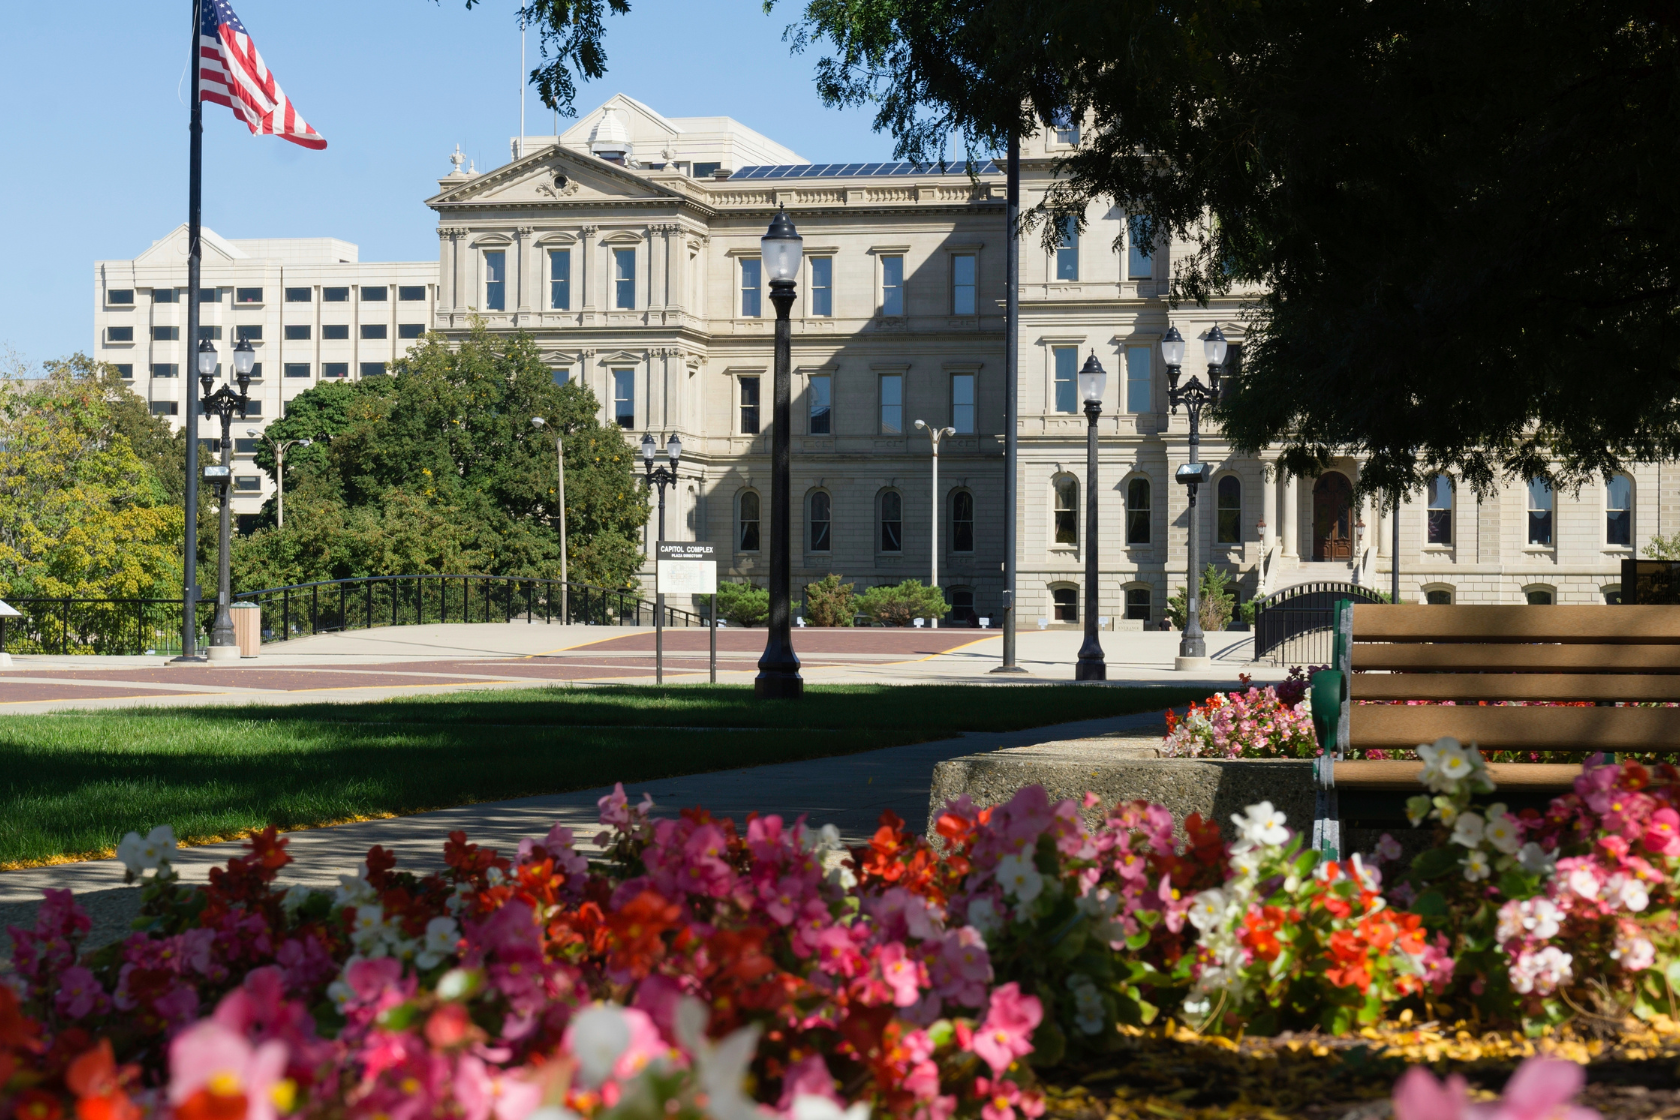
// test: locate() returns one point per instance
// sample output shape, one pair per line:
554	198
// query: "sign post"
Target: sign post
687	568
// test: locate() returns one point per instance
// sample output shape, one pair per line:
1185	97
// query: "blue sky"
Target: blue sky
97	145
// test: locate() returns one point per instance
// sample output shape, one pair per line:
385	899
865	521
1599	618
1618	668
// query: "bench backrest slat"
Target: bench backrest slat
1376	622
1398	727
1471	687
1465	657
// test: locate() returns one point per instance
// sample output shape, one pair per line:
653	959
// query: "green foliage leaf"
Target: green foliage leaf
1435	862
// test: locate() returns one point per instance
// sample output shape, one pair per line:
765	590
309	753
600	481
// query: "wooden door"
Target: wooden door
1333	517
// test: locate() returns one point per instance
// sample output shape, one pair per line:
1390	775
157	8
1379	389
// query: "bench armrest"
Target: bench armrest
1327	707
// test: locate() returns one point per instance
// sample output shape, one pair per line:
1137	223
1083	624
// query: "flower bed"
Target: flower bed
701	967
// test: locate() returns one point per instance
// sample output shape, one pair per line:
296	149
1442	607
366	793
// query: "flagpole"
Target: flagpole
195	193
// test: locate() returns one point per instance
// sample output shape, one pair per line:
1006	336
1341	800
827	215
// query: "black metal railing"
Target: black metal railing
65	626
364	602
1295	625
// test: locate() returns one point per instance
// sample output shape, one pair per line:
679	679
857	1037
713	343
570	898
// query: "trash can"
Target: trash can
247	628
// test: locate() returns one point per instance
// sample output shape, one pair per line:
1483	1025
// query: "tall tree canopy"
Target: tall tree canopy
437	468
1460	218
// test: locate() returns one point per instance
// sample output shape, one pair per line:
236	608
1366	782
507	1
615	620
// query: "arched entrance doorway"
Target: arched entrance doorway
1333	517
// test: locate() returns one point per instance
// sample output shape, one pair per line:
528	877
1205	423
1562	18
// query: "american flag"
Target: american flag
231	73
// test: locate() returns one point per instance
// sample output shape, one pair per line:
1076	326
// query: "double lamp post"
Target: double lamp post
224	402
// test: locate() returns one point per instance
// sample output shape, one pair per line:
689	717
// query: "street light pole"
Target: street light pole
1394	553
660	477
778	669
1093	379
560	512
935	434
1192	647
224	402
1011	391
280	448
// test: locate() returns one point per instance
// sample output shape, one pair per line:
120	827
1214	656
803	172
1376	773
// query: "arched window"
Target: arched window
1618	510
1613	595
1137	511
892	522
1230	510
1438	596
1067	511
962	607
1440	509
1137	603
962	521
1539	596
1539	512
749	521
1065	601
820	520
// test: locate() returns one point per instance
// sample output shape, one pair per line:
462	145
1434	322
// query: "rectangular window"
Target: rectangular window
624	279
214	334
624	397
1067	383
375	294
892	285
822	286
165	369
125	371
962	403
332	331
253	408
247	295
209	295
560	280
299	295
749	406
121	297
1539	512
166	334
256	371
411	293
297	332
373	330
248	333
752	275
1067	132
245	447
495	281
335	295
562	374
165	408
1067	250
1138	394
411	330
705	170
335	369
1140	248
1137	603
371	369
963	300
822	419
297	369
119	334
892	404
246	483
165	295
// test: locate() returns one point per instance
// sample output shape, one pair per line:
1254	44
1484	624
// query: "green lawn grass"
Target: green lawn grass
73	783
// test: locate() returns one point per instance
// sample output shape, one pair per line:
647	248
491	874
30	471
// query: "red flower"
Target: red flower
638	930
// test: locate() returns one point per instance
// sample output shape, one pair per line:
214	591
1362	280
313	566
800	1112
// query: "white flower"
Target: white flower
1583	882
1197	1006
552	1112
983	916
1417	809
354	890
1262	825
294	898
1475	864
722	1069
1088	1004
148	854
600	1035
1468	829
1634	954
1446	810
441	936
1541	972
1502	832
809	1106
1540	918
1207	909
1370	879
1534	859
1632	894
1018	877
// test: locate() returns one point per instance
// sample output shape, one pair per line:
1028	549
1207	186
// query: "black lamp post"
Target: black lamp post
1192	647
778	670
660	477
1092	380
224	402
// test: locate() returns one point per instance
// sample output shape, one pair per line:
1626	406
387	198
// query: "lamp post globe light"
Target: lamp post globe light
1193	395
539	423
935	434
224	402
1093	379
660	476
778	670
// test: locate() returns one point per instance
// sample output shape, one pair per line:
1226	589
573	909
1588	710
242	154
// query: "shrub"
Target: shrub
739	604
896	605
1217	601
828	602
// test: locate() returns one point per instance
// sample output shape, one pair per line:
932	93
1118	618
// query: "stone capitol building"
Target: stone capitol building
628	248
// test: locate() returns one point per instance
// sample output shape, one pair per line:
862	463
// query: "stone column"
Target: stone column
1268	509
679	269
656	243
1291	504
586	265
526	270
463	272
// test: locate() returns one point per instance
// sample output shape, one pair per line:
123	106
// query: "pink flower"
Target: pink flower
615	808
211	1058
79	994
1662	832
483	1090
998	1098
705	870
1418	1096
1541	1089
1006	1033
809	1077
902	973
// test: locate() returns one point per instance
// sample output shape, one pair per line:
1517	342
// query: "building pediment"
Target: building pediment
553	175
172	248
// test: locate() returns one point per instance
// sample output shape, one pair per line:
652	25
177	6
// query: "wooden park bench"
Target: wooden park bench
1598	654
